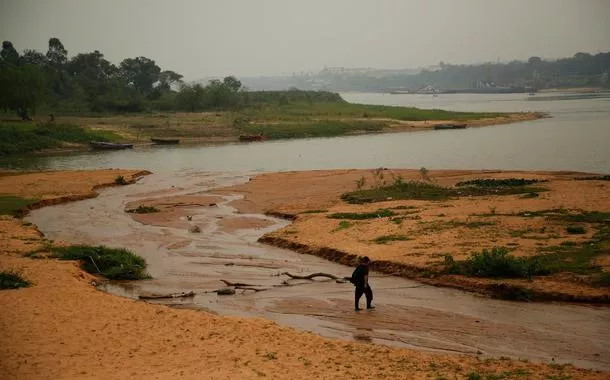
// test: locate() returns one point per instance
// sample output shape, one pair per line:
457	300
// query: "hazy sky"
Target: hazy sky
200	38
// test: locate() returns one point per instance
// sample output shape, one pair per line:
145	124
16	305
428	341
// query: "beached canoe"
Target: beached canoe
107	145
158	140
450	126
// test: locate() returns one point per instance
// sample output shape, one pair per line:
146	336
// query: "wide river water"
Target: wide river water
408	314
576	137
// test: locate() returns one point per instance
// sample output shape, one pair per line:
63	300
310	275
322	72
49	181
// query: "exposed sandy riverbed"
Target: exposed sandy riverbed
63	327
457	226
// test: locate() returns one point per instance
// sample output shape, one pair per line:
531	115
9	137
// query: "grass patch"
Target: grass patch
12	280
19	138
575	230
320	211
380	213
530	196
338	108
475	224
343	225
304	129
587	217
594	178
12	205
400	190
404	208
418	190
143	210
112	263
389	238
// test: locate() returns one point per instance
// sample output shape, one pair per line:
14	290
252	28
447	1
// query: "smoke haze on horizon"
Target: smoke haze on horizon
272	37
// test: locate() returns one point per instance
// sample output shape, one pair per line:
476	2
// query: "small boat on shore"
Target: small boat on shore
165	141
107	145
450	126
252	138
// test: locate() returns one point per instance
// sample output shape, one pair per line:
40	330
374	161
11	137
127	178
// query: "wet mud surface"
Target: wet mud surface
198	239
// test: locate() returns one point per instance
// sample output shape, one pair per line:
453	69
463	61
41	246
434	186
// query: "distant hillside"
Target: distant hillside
581	70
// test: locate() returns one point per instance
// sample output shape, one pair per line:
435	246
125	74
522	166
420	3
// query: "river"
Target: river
576	137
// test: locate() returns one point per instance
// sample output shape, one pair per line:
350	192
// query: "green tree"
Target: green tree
232	84
21	88
191	97
141	73
34	58
57	55
9	53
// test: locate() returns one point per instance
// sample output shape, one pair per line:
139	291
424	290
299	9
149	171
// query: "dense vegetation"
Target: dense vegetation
429	191
112	263
23	138
87	82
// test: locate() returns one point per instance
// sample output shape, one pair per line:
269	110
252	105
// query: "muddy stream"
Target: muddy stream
408	313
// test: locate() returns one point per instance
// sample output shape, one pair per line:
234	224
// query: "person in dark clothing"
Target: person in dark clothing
360	279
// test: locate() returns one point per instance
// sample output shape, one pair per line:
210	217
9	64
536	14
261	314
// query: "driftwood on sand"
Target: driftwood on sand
232	287
314	275
162	296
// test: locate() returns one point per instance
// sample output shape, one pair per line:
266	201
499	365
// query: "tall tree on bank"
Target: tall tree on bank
21	84
141	73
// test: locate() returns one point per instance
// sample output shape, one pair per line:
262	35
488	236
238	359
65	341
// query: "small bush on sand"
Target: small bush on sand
120	180
12	280
495	263
143	210
575	230
112	263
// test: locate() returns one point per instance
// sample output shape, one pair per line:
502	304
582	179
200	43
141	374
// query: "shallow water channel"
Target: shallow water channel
408	314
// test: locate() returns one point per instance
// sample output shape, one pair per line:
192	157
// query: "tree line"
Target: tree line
582	69
87	82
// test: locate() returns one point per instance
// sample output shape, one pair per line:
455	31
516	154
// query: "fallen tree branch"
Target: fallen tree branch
236	284
162	296
244	288
313	275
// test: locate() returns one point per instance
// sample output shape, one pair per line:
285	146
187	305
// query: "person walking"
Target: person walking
360	279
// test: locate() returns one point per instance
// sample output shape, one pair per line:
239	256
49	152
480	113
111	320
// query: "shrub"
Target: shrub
12	280
120	180
112	263
143	210
575	230
495	263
